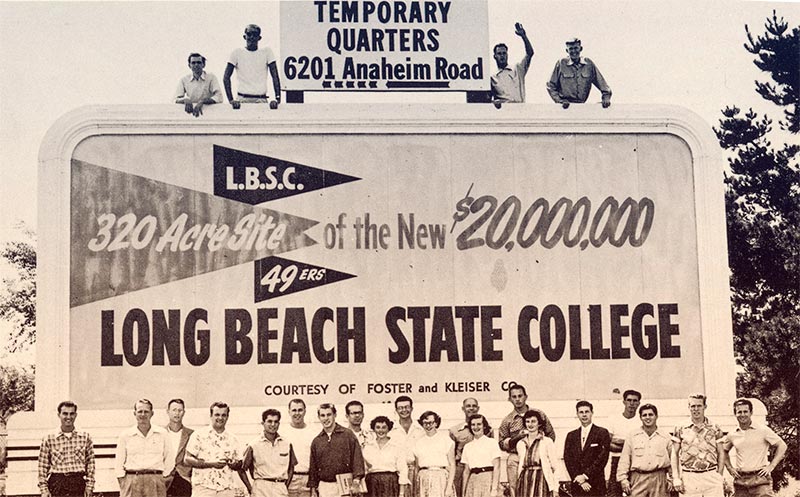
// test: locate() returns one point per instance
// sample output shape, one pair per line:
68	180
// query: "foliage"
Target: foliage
16	390
779	55
763	223
18	294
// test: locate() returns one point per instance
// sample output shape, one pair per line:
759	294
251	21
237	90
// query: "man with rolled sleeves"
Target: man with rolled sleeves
512	430
697	455
66	458
620	426
645	462
300	435
270	459
144	458
752	470
334	451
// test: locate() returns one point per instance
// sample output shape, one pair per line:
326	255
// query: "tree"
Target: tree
763	223
18	294
16	394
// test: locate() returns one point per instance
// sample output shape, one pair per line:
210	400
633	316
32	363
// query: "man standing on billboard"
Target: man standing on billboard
198	88
251	65
508	83
573	77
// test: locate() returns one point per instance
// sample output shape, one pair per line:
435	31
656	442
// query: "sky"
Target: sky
57	56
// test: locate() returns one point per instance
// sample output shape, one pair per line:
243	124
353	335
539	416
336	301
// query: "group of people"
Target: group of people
414	458
571	81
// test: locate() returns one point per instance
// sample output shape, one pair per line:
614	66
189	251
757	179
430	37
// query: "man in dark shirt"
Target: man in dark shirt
574	76
334	451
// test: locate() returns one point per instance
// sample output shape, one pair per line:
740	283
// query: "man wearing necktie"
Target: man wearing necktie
586	453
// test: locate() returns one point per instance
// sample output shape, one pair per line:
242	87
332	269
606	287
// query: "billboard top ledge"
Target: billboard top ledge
83	122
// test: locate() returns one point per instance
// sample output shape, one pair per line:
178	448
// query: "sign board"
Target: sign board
272	256
366	45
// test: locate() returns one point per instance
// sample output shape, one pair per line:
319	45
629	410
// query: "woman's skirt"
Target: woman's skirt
479	485
531	483
383	484
432	482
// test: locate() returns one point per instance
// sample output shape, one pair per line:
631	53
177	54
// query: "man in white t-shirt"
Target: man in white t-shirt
252	64
300	435
620	426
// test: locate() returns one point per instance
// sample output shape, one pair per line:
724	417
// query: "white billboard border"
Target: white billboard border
53	385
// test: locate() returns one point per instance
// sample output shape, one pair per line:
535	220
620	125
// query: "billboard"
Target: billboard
273	256
364	45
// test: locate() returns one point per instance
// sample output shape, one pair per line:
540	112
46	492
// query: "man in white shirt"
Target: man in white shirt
144	458
406	433
620	426
198	88
300	435
252	64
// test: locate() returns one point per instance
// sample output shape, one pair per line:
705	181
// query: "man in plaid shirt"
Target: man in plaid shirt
66	458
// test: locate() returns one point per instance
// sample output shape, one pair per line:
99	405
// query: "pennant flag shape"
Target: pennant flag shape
275	277
253	179
128	233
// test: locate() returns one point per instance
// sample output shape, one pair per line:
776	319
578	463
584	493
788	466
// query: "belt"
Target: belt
247	95
143	472
645	471
274	480
475	471
301	473
714	468
74	473
382	473
749	473
432	467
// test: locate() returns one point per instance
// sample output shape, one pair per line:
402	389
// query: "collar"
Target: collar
201	78
587	428
263	438
581	61
134	431
706	423
212	431
751	427
68	434
337	428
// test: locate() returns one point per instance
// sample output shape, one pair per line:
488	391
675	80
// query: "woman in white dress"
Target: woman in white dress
481	459
435	459
387	471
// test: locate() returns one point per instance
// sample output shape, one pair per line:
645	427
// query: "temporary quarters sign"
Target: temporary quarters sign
365	45
334	252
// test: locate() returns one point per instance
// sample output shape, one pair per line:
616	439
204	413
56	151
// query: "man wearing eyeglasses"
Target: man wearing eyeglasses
198	88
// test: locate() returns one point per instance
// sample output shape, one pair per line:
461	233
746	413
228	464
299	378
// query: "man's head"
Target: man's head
297	411
517	396
219	412
196	63
143	411
574	49
697	407
403	406
585	411
354	411
500	52
631	400
175	410
743	410
252	35
327	415
648	413
470	406
271	421
67	412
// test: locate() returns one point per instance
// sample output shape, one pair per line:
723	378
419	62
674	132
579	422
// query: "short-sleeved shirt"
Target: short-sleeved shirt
431	451
137	452
270	459
508	84
620	427
251	69
391	457
209	445
752	446
481	452
407	439
198	89
698	445
300	438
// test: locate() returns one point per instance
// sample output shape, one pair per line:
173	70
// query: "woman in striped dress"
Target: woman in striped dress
537	464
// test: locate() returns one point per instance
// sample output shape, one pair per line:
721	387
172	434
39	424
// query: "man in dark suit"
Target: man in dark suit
586	453
178	435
